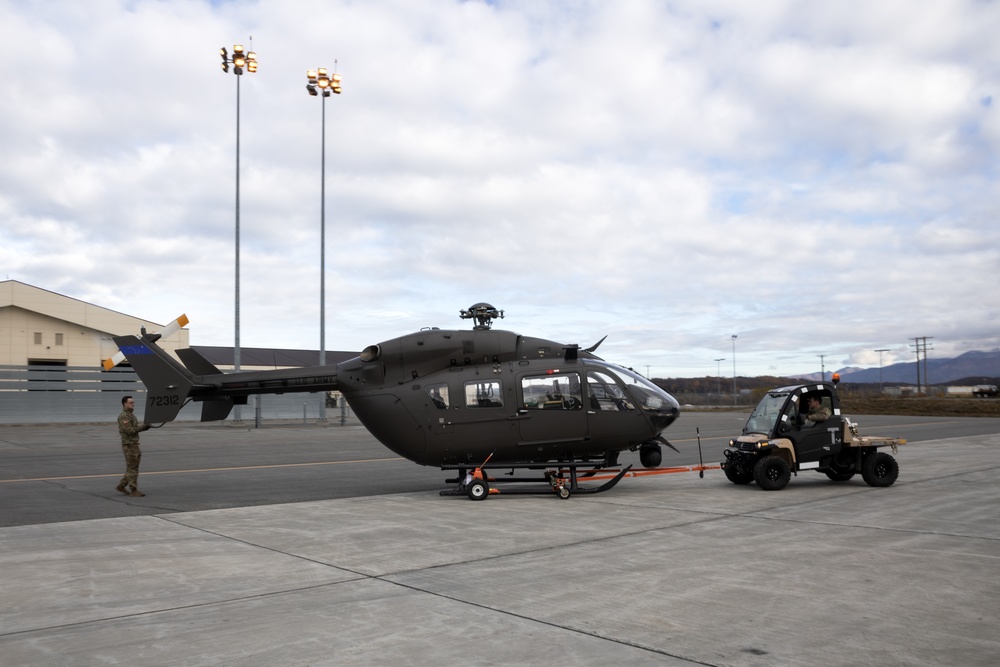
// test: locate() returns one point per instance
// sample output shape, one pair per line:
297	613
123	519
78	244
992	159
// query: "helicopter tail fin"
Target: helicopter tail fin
168	383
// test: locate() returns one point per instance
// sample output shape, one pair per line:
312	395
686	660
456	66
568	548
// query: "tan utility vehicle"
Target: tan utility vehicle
780	440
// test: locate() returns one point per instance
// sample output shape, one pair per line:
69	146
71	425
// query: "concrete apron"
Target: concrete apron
672	570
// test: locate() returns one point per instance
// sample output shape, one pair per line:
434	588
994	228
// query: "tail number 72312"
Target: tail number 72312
161	401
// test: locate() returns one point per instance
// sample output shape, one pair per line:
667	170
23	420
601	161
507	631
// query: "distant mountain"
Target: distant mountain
972	368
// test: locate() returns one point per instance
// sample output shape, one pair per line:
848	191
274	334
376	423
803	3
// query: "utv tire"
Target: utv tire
738	477
771	473
879	469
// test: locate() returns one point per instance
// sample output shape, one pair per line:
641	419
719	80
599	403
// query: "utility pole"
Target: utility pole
822	367
927	378
920	344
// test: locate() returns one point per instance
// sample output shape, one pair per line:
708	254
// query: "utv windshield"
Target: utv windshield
766	413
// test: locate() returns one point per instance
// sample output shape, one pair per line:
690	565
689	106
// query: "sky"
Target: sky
811	178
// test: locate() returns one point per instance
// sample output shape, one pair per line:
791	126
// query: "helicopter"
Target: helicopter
456	399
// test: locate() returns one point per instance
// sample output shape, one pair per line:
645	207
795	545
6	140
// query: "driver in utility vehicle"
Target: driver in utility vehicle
816	411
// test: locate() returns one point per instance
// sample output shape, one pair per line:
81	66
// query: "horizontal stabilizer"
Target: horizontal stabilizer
197	364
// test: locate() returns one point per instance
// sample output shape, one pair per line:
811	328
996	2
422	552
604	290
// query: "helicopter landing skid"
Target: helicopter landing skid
562	481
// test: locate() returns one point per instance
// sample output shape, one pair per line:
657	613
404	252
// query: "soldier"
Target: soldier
129	428
817	411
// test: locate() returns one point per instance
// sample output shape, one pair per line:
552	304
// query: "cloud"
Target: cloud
817	180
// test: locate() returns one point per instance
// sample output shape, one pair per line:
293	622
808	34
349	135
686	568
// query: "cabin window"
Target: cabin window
552	392
438	393
800	404
606	394
484	394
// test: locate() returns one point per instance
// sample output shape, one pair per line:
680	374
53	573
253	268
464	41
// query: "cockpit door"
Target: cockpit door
550	410
612	415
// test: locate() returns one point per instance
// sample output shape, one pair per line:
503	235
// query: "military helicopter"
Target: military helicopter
451	398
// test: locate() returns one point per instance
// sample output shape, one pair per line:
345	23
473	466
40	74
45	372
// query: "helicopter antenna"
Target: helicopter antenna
483	313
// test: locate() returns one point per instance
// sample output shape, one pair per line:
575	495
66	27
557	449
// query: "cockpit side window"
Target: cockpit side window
799	410
438	393
606	394
552	392
483	394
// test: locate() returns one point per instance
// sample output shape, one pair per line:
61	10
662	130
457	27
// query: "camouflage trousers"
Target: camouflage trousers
132	457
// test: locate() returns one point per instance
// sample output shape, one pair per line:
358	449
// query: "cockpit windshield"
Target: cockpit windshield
649	396
764	416
656	404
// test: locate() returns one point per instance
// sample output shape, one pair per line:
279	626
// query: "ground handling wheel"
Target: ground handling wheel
478	489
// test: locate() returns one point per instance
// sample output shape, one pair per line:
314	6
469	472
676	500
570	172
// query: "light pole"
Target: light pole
880	351
734	370
718	377
239	61
322	84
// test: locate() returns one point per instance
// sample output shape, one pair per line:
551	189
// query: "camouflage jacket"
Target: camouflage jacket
820	414
129	428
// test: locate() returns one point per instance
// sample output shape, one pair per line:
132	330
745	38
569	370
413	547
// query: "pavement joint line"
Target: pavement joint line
154	612
358	576
173	520
756	514
385	578
887	529
550	624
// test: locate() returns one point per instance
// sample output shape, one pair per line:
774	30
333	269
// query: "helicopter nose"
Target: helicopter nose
666	416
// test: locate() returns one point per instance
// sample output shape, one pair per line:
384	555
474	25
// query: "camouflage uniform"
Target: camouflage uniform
820	414
129	429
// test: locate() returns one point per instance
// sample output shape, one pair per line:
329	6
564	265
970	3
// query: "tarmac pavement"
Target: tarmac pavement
669	570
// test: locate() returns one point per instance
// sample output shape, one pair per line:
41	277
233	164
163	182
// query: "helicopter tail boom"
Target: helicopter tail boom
170	384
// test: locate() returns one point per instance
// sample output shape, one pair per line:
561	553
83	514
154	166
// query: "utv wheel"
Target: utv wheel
771	473
478	489
880	469
738	476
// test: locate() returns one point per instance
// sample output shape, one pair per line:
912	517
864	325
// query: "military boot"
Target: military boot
121	488
136	493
